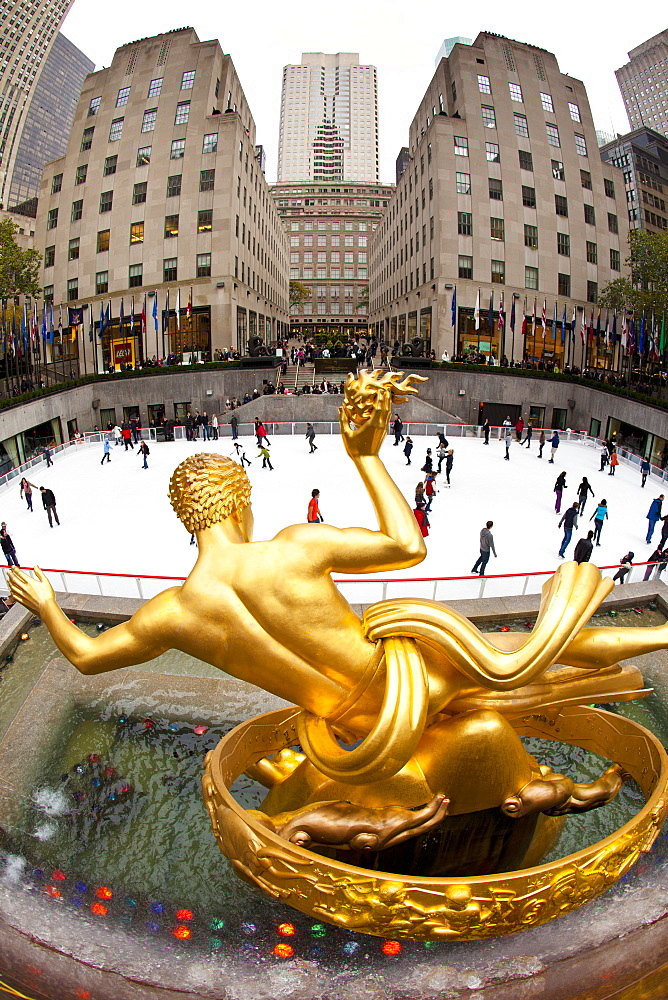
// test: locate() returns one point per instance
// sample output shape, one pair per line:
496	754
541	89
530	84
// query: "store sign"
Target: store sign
122	354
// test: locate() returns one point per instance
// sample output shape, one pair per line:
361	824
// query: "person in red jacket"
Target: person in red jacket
422	519
313	515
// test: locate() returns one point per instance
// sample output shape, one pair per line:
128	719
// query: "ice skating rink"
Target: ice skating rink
116	518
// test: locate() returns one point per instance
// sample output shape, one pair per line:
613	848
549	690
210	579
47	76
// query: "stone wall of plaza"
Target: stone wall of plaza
330	230
504	194
161	189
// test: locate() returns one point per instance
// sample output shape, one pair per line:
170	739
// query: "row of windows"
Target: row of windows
154	90
529	201
148	124
498	276
334	241
334	257
307	273
334	226
136	276
547	104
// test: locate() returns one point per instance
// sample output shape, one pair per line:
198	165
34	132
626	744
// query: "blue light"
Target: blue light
81	887
248	928
130	901
173	727
158	907
351	947
152	926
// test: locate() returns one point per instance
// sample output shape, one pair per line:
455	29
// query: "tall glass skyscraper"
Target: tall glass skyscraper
29	31
643	82
329	120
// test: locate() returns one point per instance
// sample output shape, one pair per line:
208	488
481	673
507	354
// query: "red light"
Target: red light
52	891
109	772
391	948
98	909
200	729
59	876
104	892
283	950
286	930
93	758
504	628
184	915
149	724
182	933
83	995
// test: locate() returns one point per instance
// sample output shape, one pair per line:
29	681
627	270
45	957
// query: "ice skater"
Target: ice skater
430	489
118	434
605	457
266	461
625	565
584	548
652	562
441	452
106	454
569	521
234	424
241	454
144	452
428	462
408	448
449	459
47	457
614	462
310	437
554	443
527	437
260	433
8	546
397	428
419	494
486	429
442	440
486	546
584	489
598	517
644	471
26	491
653	515
314	514
508	441
541	443
421	518
49	504
127	437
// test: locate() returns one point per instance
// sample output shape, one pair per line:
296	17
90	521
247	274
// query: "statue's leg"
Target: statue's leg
601	647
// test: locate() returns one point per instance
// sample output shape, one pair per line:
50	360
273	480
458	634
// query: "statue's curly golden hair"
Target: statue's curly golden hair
207	488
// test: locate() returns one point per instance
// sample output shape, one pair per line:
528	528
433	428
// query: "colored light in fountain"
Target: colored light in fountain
24	636
81	887
528	625
283	950
182	933
391	948
93	758
217	924
9	658
152	926
612	613
100	625
200	729
58	876
79	769
122	719
504	628
95	782
184	915
318	930
248	928
215	943
51	890
149	724
286	929
351	947
173	727
109	771
37	621
130	901
429	945
158	907
104	892
99	909
638	611
78	796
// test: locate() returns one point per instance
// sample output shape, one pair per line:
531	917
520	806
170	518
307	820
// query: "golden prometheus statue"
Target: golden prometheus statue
401	799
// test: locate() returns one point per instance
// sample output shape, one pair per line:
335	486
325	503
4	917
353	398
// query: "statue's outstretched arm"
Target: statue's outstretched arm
146	635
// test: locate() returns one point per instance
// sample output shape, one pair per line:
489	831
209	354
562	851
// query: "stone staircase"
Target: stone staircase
297	376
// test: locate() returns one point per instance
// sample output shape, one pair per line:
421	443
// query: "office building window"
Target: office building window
206	180
465	267
609	187
80	176
210	142
116	129
461	145
123	95
521	125
144	155
497	229
148	121
492	152
613	224
585	178
174	186
561	205
72	289
574	111
135	275
488	116
103	240
101	282
137	232
169	269
531	278
87	138
498	272
580	144
590	215
56	183
178	149
188	79
464	223
203	267
94	106
106	199
564	285
564	244
155	87
463	182
495	189
73	249
484	85
515	92
204	220
558	170
171	226
182	113
526	160
615	261
77	210
110	165
531	237
49	256
592	291
48	293
592	253
552	134
546	101
139	193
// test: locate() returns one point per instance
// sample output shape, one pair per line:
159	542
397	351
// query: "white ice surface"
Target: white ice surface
117	518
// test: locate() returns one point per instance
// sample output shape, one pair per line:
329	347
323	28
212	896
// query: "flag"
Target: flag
189	308
662	336
563	324
43	323
533	319
512	316
554	323
607	327
75	316
641	341
613	334
524	318
583	326
632	334
60	323
35	325
51	323
132	316
143	316
24	329
121	320
177	308
598	325
155	311
91	323
490	315
591	327
543	317
476	312
501	319
165	314
573	322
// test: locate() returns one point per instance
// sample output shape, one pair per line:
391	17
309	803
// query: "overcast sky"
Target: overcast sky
589	40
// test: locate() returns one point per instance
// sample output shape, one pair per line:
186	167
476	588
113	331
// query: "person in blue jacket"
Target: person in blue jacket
644	471
653	515
107	451
554	443
598	517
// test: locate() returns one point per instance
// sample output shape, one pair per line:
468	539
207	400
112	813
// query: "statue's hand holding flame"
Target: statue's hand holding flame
367	408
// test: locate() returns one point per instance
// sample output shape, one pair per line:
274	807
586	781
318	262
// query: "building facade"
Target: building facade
504	200
330	229
160	205
642	156
329	120
643	82
48	121
29	32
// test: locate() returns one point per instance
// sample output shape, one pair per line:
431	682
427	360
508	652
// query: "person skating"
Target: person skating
653	515
486	546
430	489
508	440
442	440
127	436
144	452
598	517
569	521
214	426
260	433
605	458
419	494
652	562
26	491
527	437
428	462
408	448
584	489
397	428
421	518
559	488
310	437
614	462
47	457
664	531
8	546
554	443
519	427
486	429
49	504
626	562
584	548
644	471
314	514
449	459
541	444
106	454
266	461
441	452
234	424
241	454
118	435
